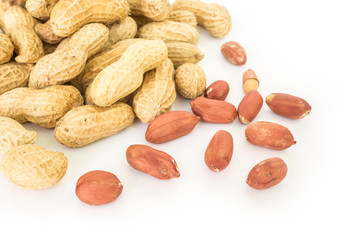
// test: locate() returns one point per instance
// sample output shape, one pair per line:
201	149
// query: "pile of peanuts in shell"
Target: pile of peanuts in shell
88	68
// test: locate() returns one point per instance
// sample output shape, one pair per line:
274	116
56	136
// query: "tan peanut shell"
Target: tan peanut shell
86	124
65	64
99	62
9	3
157	93
181	52
190	80
156	10
6	48
14	134
214	17
40	9
169	31
152	161
89	101
28	45
120	31
3	9
125	75
43	107
45	32
183	16
13	75
33	167
69	16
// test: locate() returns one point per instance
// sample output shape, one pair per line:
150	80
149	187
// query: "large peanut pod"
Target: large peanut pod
13	134
180	53
214	17
6	48
157	93
40	9
183	16
43	107
121	30
13	75
156	10
124	76
86	124
68	16
99	62
28	45
33	167
169	31
65	64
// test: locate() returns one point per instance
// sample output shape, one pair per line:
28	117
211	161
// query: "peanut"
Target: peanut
219	151
183	16
6	48
98	188
43	107
64	64
249	107
28	45
267	173
99	62
214	111
86	124
213	17
40	9
218	90
190	80
170	126
250	81
288	105
33	167
14	75
152	161
14	134
180	53
68	17
45	32
157	93
120	31
234	53
89	101
3	9
125	75
269	135
169	31
156	10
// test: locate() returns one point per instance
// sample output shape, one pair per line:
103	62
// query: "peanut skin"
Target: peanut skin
218	90
219	151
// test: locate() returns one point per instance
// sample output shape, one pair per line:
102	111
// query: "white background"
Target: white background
306	48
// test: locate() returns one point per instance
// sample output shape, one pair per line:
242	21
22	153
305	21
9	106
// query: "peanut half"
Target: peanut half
234	53
214	17
33	167
218	90
124	76
157	93
250	81
170	126
86	124
6	48
69	16
267	173
169	31
14	134
190	80
249	107
288	105
65	64
43	107
152	161
14	75
98	188
269	135
28	45
219	151
214	111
